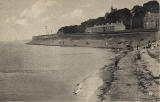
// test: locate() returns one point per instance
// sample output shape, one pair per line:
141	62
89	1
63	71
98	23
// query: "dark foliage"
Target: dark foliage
122	15
72	29
88	23
92	22
151	6
138	16
132	19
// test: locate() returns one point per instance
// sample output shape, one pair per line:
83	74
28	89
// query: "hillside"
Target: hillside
132	19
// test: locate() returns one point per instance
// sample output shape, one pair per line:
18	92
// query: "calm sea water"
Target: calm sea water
45	73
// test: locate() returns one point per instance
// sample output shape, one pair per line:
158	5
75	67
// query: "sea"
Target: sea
37	73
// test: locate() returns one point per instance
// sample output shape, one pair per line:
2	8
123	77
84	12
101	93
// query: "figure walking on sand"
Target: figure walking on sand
137	46
116	62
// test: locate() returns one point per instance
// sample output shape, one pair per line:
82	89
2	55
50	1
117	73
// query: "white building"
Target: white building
152	21
105	28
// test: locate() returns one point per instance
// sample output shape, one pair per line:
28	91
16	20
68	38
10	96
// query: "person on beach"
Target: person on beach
149	44
137	46
138	55
116	62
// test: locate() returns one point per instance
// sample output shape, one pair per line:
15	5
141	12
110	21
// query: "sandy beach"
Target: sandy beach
133	80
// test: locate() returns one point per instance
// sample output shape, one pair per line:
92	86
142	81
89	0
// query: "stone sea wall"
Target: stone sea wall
98	40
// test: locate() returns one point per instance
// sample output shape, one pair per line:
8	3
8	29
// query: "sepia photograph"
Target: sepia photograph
79	50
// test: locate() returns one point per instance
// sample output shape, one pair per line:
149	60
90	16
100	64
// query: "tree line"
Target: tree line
132	19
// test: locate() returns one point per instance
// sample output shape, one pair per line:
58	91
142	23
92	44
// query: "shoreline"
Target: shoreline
101	79
96	41
65	45
129	78
125	82
107	75
122	83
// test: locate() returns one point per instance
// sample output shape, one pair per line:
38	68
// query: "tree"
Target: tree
72	29
121	15
106	15
151	6
88	23
138	16
100	21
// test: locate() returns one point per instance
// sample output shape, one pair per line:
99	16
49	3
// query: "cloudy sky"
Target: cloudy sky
22	19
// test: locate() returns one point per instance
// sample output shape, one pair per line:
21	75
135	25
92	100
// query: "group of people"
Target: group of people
150	44
153	44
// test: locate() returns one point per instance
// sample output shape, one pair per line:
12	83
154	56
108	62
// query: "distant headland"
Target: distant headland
123	25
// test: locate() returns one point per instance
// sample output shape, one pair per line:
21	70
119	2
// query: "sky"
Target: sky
22	19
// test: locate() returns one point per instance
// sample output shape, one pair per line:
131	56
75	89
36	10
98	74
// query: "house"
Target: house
106	28
151	21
